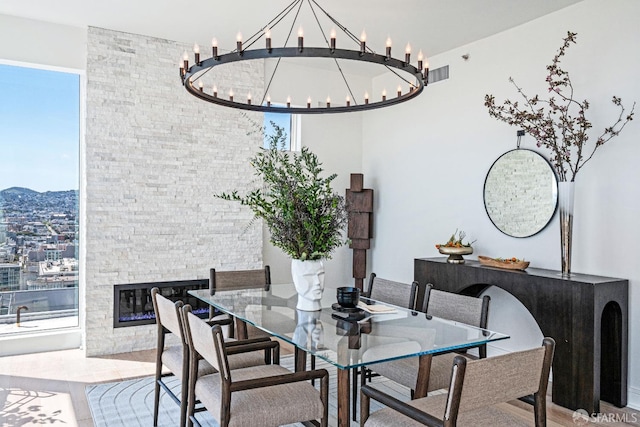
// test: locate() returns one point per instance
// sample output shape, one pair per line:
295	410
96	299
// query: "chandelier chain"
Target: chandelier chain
344	78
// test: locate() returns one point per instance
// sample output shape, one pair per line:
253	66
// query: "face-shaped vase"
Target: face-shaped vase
308	278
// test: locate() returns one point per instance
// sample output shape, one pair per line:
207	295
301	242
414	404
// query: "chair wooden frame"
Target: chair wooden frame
222	350
172	324
454	398
238	279
366	373
484	314
175	325
423	371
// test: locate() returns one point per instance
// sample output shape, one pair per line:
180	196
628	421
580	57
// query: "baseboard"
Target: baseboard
633	398
63	339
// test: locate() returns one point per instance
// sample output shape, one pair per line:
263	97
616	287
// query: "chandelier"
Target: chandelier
414	78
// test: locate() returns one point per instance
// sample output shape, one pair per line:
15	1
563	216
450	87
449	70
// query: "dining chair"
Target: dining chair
267	395
477	395
176	357
239	279
446	305
391	292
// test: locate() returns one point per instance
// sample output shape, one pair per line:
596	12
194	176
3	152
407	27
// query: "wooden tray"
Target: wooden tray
509	265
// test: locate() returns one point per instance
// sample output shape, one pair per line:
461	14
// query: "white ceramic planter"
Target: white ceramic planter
308	277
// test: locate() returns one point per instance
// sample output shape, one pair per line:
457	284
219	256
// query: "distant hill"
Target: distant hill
17	191
19	199
21	191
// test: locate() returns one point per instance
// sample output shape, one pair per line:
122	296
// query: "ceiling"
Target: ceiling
434	26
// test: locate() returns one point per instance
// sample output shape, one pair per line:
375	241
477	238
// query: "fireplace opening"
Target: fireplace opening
133	305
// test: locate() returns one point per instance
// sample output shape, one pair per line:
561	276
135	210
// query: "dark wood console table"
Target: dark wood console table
586	315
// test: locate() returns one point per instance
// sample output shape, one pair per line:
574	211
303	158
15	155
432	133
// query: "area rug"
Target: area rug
130	403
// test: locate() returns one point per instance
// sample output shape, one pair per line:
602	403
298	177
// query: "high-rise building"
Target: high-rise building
9	277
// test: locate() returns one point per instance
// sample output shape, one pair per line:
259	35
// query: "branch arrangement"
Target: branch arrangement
304	216
558	123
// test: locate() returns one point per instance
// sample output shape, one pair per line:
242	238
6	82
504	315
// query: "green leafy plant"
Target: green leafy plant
558	123
304	216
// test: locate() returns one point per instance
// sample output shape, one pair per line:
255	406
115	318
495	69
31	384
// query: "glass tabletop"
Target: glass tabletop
346	343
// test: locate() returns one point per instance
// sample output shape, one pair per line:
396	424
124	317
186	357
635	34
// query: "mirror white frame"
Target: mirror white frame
521	193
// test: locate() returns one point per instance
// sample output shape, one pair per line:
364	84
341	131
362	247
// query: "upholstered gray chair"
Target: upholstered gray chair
446	305
391	292
240	279
176	357
478	392
268	395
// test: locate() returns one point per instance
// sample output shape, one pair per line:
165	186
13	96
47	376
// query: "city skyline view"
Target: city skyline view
39	129
39	182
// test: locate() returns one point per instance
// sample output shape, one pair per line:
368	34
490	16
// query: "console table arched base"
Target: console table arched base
586	315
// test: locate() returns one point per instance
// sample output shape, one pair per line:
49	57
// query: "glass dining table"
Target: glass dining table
346	339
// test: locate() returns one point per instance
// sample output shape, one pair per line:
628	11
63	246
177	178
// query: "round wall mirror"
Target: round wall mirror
520	193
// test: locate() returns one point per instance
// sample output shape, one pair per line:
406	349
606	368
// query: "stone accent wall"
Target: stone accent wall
154	158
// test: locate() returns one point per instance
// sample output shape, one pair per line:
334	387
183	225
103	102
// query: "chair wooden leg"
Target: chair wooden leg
184	401
354	393
156	395
364	407
313	367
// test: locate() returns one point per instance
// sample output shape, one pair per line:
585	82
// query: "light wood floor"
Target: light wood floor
49	388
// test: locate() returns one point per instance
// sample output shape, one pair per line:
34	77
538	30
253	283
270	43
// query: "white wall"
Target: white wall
42	43
427	159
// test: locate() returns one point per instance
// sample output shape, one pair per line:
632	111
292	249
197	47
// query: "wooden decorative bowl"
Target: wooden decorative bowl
508	264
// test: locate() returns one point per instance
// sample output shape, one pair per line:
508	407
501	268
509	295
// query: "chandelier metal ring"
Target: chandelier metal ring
192	74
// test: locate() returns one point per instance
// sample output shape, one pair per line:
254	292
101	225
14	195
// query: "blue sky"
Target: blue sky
39	129
281	119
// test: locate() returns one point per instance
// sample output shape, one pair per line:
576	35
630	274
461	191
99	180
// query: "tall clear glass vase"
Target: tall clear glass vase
565	205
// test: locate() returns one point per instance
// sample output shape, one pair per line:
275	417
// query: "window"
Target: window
291	125
40	145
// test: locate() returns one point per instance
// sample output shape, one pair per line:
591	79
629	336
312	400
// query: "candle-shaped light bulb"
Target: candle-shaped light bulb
288	101
181	65
420	60
363	41
196	53
399	90
407	54
239	42
388	47
267	35
328	101
300	39
426	70
366	97
268	100
214	47
384	94
348	101
249	98
231	95
185	60
215	91
333	38
309	102
201	85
